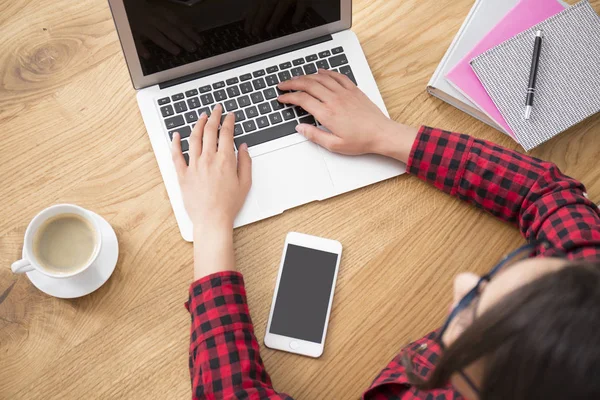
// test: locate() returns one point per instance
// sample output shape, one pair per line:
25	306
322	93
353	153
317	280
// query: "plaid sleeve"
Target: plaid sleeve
225	360
532	194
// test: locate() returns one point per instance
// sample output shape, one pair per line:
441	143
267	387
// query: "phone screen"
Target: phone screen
304	291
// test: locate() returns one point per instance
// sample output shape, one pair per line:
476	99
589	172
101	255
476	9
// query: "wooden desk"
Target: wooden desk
71	132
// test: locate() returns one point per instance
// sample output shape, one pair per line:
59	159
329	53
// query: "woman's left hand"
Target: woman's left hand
214	187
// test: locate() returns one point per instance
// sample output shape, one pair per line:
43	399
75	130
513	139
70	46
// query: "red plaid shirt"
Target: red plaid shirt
534	195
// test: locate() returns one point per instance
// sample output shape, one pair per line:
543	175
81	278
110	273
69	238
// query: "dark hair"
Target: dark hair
540	342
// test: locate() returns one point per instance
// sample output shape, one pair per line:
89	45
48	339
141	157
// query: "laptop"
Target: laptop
184	57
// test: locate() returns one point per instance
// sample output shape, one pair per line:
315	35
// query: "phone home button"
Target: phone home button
294	345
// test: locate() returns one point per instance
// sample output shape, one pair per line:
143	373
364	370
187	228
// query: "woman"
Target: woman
527	330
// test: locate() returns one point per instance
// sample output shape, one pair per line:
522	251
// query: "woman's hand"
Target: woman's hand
214	188
357	125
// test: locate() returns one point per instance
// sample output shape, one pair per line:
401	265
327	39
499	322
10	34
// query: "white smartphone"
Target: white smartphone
303	295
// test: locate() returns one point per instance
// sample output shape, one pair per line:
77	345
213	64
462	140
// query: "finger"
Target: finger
319	136
304	100
342	79
142	49
309	84
299	13
160	40
261	19
277	16
196	139
226	134
177	154
191	33
209	142
244	168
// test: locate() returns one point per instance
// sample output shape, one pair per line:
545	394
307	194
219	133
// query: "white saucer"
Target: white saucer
89	280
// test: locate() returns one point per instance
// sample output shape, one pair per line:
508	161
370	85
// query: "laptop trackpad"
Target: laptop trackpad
290	177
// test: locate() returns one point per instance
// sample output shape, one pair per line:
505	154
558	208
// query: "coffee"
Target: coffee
64	243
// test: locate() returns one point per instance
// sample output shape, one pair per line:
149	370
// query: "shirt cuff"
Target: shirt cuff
218	304
439	157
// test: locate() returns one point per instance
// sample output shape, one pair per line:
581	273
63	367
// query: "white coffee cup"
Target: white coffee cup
30	263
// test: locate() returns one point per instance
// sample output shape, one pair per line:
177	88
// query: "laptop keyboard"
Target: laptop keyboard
259	117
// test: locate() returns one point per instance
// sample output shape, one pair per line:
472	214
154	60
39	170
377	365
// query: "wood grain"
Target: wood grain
72	132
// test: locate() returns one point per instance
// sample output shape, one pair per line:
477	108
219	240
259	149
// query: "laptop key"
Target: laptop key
162	102
207	99
288	114
266	135
260	72
238	130
220	95
191	93
177	97
270	93
232	81
346	70
231	105
301	112
174	122
246	77
322	64
284	76
184	132
312	58
185	146
310	69
276	105
262	122
272	80
246	87
249	126
285	65
239	116
233	91
205	110
244	101
259	84
194	102
338	60
337	50
191	117
324	54
264	108
205	89
308	120
297	71
275	118
272	69
257	97
251	112
180	107
219	85
186	157
167	111
298	61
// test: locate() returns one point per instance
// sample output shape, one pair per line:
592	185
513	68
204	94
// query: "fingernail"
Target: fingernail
203	115
300	129
295	77
244	147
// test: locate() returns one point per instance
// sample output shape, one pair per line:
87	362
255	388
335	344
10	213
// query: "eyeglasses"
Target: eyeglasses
472	296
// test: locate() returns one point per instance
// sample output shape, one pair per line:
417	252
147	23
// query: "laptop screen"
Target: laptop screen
172	33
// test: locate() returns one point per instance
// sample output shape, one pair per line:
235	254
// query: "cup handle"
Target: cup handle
21	266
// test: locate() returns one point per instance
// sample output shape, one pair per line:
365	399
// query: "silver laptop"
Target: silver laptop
185	57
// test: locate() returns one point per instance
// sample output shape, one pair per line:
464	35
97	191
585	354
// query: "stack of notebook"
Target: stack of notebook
485	72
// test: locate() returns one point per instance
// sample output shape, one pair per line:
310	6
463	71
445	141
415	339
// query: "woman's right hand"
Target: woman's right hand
356	124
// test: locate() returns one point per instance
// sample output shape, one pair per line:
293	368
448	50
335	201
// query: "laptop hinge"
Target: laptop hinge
245	61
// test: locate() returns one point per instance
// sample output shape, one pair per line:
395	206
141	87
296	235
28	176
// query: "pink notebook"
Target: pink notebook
522	17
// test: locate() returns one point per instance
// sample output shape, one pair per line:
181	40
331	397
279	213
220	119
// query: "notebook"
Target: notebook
568	82
521	17
483	15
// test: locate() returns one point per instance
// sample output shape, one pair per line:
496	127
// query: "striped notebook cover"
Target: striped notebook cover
568	82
